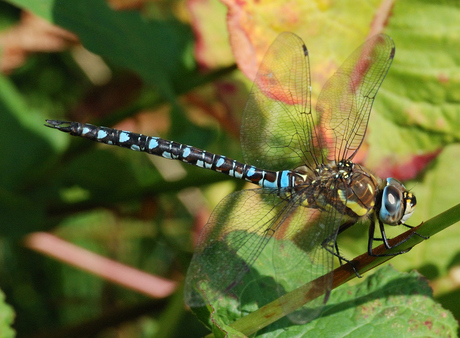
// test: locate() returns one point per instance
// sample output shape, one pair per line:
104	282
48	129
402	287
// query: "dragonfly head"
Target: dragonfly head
397	203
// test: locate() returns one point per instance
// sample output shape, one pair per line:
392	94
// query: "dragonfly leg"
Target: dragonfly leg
385	240
335	252
415	233
338	253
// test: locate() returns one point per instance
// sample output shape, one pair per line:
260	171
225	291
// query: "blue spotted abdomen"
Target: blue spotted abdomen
177	151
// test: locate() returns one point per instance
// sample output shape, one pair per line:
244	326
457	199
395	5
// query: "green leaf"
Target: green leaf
26	152
386	304
7	316
21	132
418	104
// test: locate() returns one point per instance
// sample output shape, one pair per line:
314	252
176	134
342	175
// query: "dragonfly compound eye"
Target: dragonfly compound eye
391	210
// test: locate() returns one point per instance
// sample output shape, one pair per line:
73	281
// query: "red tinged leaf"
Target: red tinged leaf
405	169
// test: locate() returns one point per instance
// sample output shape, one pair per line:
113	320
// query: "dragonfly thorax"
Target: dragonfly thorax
347	187
357	189
355	192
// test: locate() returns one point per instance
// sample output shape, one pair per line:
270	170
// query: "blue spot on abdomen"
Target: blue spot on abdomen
153	143
124	136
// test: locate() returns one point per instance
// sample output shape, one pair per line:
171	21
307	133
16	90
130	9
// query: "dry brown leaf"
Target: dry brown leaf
32	35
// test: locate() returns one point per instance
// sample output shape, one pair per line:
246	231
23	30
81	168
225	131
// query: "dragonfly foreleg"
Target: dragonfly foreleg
415	233
384	239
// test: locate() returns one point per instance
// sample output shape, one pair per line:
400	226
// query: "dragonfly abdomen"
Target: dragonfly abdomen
178	151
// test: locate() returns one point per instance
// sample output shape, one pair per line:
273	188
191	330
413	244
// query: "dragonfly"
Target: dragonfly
310	190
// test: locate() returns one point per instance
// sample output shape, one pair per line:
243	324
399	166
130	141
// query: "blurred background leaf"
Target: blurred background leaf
166	68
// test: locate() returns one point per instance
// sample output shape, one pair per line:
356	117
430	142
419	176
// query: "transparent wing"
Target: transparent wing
277	128
309	233
237	233
346	100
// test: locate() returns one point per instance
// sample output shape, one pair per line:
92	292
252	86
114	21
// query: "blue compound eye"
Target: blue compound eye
391	209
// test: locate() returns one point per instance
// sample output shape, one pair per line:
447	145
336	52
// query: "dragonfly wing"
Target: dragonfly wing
346	99
277	128
302	244
237	232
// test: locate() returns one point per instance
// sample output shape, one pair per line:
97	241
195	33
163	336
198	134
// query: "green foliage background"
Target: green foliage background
115	202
